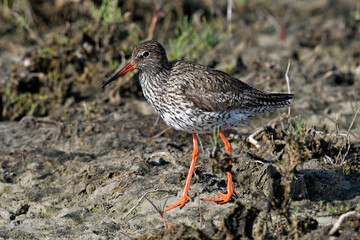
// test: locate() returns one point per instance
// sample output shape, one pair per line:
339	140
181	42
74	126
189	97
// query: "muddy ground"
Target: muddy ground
77	160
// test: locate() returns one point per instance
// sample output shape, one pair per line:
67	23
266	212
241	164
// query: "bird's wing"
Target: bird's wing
212	90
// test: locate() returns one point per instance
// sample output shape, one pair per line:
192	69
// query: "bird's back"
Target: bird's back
215	91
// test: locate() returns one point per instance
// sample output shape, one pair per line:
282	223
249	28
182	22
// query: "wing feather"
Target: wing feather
213	90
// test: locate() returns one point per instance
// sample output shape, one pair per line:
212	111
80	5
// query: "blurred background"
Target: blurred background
55	54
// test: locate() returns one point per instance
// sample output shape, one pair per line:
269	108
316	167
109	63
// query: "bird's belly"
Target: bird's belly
199	121
185	116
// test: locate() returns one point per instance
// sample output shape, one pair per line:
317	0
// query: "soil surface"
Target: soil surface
81	162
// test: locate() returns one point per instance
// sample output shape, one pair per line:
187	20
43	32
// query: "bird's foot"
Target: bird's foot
180	203
223	199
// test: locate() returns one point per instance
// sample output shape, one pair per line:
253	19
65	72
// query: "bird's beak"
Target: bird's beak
127	68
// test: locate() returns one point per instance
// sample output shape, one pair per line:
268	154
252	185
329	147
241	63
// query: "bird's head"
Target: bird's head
147	56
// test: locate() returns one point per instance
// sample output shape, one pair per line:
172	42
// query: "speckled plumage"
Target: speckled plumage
194	98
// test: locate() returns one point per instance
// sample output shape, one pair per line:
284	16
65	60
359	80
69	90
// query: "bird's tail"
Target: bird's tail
268	102
278	99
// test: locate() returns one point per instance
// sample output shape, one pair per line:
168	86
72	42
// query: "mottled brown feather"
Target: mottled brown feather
213	90
194	98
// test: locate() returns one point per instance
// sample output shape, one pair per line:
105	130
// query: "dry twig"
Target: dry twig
160	133
251	139
229	14
156	123
144	196
158	210
158	13
288	83
341	219
352	122
346	139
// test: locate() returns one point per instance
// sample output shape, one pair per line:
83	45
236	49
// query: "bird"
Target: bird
195	98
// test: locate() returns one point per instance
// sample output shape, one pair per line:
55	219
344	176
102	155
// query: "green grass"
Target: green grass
109	12
216	135
191	43
6	4
47	50
356	13
240	3
7	92
298	129
113	65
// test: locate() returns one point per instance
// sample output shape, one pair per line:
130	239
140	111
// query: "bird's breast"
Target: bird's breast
153	90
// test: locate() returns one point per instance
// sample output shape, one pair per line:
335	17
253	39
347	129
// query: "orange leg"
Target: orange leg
185	195
225	197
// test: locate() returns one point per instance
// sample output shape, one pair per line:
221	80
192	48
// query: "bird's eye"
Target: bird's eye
145	54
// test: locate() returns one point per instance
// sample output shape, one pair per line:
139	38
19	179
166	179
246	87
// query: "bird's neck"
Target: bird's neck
153	85
154	76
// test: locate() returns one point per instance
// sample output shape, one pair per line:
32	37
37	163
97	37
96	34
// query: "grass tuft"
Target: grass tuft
191	43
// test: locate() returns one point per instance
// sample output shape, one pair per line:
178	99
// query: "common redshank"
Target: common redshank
195	98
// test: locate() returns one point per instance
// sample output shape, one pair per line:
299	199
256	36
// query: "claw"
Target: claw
222	200
224	197
180	203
